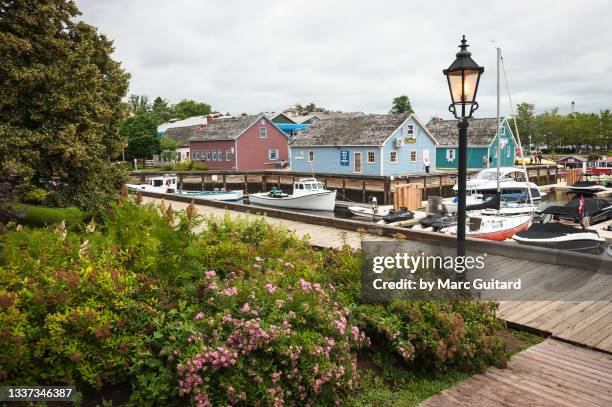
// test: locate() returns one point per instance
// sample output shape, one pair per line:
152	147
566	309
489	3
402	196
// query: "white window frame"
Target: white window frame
196	154
263	132
311	156
228	155
207	155
276	153
508	150
214	155
502	131
416	156
373	157
450	154
393	160
410	130
220	155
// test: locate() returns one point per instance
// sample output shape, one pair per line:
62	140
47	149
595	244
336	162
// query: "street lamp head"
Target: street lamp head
463	78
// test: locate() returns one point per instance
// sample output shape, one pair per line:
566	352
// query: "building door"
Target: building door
357	161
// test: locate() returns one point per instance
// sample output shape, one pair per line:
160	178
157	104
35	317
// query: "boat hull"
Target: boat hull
323	201
226	196
500	228
577	245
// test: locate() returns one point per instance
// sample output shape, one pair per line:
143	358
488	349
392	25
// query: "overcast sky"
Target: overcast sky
254	56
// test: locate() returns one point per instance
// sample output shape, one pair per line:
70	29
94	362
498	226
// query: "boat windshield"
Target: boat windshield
158	183
487	175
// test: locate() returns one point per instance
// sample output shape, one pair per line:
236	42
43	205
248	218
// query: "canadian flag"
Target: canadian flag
580	209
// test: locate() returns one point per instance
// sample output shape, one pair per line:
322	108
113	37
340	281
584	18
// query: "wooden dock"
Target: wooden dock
550	374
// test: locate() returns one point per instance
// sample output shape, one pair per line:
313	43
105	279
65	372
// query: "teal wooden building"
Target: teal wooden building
482	143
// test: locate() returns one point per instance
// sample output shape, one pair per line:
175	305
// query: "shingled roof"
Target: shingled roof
182	135
225	129
367	130
480	132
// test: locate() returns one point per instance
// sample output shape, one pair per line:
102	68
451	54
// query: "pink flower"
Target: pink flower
210	274
199	316
246	307
271	288
230	292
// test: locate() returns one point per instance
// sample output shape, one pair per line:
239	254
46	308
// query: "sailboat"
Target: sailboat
490	220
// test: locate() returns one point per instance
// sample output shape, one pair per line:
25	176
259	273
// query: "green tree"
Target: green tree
161	111
401	105
139	104
188	108
141	133
168	149
526	122
60	102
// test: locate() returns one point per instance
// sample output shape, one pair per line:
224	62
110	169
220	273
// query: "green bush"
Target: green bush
240	313
200	167
33	215
35	196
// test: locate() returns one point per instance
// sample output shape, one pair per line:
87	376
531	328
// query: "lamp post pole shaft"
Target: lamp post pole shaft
462	173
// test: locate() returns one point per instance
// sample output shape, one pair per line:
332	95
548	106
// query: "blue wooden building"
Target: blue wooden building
368	145
482	142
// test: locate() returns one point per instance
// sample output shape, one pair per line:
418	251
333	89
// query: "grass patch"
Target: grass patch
33	215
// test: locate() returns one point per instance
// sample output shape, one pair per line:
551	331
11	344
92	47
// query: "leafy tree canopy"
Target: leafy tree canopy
188	108
575	132
309	108
141	133
401	105
60	102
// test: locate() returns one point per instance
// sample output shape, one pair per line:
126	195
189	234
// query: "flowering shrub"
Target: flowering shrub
241	313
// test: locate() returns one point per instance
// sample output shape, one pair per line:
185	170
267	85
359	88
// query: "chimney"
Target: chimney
209	119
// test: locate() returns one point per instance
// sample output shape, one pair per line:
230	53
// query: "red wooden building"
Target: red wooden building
240	143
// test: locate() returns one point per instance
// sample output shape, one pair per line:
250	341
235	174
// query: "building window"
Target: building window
228	155
410	130
502	131
219	155
273	154
263	132
263	122
187	154
371	157
310	156
508	151
207	155
214	153
450	154
413	156
196	154
393	157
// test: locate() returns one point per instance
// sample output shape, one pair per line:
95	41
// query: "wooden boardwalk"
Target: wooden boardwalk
551	373
580	312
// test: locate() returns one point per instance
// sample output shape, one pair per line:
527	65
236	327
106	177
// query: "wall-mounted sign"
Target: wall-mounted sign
410	140
344	158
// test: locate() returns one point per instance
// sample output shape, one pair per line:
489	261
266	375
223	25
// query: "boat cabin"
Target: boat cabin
307	185
505	174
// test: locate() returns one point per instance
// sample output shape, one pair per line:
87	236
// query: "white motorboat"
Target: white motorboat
168	184
562	237
308	194
492	226
370	212
512	180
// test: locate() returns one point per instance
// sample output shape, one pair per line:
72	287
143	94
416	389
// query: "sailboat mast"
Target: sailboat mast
498	121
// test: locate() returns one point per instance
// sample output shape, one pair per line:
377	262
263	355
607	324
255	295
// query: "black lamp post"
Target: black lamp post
463	77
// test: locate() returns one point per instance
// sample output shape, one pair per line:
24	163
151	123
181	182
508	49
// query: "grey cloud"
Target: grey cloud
357	55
